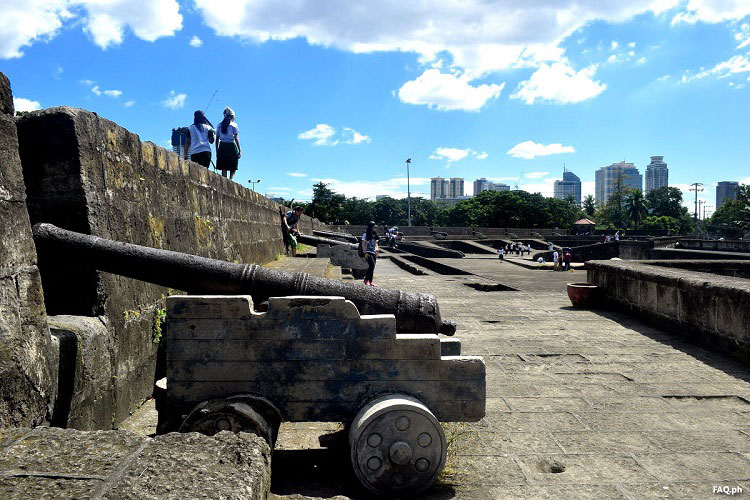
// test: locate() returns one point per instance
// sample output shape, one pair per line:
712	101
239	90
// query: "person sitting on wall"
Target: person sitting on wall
291	230
199	140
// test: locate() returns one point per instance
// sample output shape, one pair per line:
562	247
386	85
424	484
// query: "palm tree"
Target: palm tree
635	207
589	205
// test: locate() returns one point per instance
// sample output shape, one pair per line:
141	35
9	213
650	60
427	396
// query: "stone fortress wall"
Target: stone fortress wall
85	173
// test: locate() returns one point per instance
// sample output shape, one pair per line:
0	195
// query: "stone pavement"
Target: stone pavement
581	404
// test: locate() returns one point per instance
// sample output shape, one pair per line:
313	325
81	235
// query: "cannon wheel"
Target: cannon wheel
397	445
244	413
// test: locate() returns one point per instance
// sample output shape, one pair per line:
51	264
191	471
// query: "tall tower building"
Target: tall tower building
607	179
456	187
179	140
481	185
726	190
657	174
570	185
438	188
498	186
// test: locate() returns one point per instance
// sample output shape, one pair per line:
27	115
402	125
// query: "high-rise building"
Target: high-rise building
456	187
570	185
657	174
498	186
438	188
608	178
481	185
179	140
726	190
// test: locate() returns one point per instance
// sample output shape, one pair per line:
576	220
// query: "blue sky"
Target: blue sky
344	92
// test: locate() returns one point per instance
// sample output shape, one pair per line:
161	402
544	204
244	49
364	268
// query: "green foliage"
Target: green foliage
326	206
662	222
635	207
160	317
589	205
666	201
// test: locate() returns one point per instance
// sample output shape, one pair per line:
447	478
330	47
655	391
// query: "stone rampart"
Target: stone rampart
86	173
710	308
717	245
27	372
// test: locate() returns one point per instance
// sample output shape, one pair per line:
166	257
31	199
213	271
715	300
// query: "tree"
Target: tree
388	211
589	205
326	205
665	201
635	207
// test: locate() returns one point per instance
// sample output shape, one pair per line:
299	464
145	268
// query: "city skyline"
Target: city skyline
325	91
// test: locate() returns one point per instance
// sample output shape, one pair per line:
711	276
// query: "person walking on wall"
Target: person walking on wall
370	248
228	150
291	231
199	140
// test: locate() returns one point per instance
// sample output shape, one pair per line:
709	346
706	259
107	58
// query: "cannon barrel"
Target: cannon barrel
317	240
417	313
331	234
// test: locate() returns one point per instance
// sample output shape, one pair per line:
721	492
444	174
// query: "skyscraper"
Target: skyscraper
456	187
726	190
607	179
438	188
570	185
481	185
657	174
498	186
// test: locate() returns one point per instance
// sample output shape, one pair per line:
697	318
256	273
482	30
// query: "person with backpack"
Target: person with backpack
228	150
369	247
199	140
289	223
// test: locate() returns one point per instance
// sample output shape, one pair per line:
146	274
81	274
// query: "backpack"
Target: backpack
211	136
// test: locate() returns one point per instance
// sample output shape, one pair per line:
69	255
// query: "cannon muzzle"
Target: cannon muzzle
416	313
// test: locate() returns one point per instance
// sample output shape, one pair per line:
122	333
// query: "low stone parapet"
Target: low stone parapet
707	307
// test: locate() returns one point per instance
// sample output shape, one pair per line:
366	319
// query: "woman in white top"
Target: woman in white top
228	149
199	140
370	249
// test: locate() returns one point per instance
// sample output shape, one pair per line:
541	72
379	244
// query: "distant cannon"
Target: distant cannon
201	275
331	234
318	240
439	235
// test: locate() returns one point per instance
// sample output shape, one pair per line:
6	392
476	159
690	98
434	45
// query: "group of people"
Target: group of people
517	248
561	260
607	238
226	137
368	247
392	236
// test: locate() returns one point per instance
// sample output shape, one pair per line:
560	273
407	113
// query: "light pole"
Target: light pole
408	192
696	186
254	183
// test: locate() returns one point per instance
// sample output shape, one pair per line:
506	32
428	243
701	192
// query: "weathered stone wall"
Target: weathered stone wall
719	245
27	377
88	174
412	231
712	309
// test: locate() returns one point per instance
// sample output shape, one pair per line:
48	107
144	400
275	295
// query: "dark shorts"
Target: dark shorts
226	158
203	158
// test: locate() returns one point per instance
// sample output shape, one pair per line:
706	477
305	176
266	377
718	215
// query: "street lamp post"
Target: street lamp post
408	192
697	187
254	183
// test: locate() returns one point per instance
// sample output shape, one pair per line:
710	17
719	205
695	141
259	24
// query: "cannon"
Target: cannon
200	275
229	367
318	240
332	234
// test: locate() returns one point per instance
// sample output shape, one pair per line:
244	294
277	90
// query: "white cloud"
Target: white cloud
196	42
322	134
351	136
394	187
445	91
481	156
98	91
559	83
535	175
23	23
112	93
712	11
22	104
530	149
449	154
174	100
732	66
641	60
614	45
87	83
326	135
95	89
130	104
296	174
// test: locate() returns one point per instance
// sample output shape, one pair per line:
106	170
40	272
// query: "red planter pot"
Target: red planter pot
583	294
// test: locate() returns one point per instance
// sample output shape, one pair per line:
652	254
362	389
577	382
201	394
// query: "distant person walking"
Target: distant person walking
370	248
228	150
500	254
555	261
567	257
199	140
